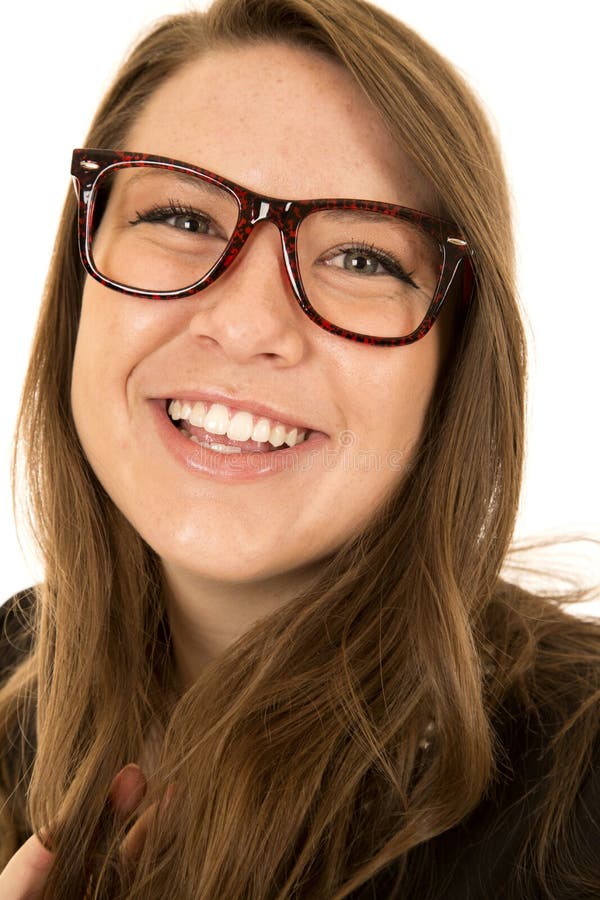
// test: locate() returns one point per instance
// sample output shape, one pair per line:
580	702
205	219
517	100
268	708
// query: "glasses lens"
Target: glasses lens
156	230
367	272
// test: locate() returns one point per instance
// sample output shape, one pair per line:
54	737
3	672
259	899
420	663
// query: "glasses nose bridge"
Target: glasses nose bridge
265	209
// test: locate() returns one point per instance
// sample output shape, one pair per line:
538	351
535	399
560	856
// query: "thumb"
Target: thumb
26	873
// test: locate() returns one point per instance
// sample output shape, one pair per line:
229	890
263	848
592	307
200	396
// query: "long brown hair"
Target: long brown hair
299	755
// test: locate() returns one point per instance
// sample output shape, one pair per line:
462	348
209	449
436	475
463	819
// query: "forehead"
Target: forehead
282	121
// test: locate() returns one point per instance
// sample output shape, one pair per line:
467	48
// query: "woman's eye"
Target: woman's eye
368	262
359	262
176	218
188	223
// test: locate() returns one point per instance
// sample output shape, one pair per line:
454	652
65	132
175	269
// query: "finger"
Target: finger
133	844
127	790
26	873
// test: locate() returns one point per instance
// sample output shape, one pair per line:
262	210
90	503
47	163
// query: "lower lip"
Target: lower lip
233	466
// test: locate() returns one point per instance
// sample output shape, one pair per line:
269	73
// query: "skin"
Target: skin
226	560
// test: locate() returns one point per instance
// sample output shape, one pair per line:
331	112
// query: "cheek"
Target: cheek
92	398
385	426
86	383
396	396
93	364
116	333
108	343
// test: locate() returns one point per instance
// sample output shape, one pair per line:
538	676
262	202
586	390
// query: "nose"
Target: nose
251	311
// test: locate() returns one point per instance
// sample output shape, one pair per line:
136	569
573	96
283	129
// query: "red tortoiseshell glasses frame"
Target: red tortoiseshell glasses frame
286	215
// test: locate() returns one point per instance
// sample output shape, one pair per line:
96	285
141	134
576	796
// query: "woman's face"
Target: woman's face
285	123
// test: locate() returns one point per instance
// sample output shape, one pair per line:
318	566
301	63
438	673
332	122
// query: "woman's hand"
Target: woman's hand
25	875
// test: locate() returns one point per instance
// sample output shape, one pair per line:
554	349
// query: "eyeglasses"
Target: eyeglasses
371	272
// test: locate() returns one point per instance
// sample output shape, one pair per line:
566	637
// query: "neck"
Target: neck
207	616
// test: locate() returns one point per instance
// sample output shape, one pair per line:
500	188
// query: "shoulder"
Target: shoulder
492	854
536	832
15	630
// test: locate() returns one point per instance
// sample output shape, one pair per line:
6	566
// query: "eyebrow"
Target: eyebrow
369	215
139	173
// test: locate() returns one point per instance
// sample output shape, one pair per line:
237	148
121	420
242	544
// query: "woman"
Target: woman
274	453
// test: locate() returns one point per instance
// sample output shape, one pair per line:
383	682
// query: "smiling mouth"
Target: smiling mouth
224	430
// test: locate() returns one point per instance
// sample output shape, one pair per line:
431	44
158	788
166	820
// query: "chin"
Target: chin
219	571
229	566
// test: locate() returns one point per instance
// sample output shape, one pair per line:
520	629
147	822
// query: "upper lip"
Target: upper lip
253	406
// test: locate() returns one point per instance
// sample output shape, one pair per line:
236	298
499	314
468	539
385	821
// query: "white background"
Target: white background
534	66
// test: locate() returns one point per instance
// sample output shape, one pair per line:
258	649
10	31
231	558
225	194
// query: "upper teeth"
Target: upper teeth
238	425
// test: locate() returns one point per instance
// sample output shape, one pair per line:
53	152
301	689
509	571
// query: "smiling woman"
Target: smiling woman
273	432
246	345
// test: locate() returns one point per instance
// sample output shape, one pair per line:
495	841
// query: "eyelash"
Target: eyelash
393	266
159	213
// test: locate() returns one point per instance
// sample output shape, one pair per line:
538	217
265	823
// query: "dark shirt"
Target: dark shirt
14	642
475	860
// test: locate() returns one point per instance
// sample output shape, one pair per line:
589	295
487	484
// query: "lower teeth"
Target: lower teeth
220	448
